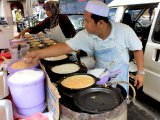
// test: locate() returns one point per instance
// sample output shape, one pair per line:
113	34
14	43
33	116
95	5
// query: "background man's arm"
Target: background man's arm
52	51
139	79
55	50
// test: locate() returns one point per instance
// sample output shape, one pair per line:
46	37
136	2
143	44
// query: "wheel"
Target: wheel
137	27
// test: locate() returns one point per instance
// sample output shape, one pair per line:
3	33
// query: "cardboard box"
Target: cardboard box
52	96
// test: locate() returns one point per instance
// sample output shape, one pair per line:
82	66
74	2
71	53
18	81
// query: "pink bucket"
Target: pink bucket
27	93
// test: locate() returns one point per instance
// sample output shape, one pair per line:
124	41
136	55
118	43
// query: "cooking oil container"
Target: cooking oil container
27	90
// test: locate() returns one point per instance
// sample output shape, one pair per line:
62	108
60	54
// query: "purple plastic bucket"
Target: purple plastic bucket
11	70
27	92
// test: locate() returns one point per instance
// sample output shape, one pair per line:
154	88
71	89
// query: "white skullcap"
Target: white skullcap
97	7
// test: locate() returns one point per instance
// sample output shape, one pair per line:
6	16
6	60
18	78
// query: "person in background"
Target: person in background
59	25
18	19
14	15
107	41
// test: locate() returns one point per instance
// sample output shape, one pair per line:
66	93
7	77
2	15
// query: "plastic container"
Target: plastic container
11	70
27	90
16	42
18	54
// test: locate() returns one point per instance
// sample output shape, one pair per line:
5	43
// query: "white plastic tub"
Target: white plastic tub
27	90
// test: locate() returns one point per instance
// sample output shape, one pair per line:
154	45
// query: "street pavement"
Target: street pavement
144	107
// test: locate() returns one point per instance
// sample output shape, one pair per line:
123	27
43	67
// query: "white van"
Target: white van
144	17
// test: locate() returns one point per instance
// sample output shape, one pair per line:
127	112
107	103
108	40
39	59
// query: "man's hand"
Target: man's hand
32	57
139	79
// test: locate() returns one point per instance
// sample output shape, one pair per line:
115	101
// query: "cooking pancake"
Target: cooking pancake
65	68
62	57
21	65
78	81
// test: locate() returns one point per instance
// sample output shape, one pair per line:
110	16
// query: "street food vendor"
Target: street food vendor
107	41
59	26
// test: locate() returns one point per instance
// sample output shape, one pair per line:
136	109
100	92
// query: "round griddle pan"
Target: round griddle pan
71	91
98	100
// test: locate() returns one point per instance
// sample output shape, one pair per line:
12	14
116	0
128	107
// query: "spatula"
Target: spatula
105	79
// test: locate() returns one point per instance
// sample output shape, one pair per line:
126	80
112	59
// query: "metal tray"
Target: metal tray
6	112
3	85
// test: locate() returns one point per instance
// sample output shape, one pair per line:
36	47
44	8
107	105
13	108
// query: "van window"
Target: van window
77	21
140	19
156	32
112	13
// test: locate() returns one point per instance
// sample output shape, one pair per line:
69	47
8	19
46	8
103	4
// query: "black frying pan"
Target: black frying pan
98	100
